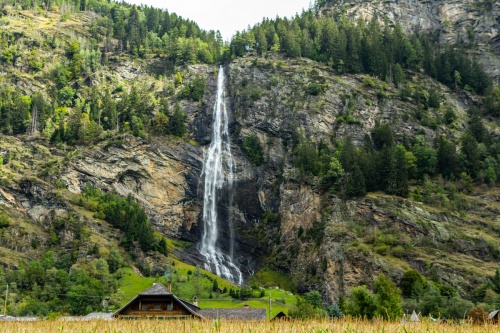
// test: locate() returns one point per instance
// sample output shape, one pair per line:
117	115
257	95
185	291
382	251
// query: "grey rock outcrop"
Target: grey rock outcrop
162	176
473	23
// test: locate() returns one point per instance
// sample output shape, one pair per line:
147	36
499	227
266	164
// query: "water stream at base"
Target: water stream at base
218	169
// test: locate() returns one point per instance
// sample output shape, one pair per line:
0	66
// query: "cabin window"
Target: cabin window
170	306
157	307
144	307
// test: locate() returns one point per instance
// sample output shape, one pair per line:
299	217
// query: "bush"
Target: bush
306	158
457	308
398	251
66	96
4	221
388	298
449	116
433	100
368	82
412	283
315	89
303	310
195	89
245	292
361	303
314	298
255	95
334	311
477	315
382	249
253	149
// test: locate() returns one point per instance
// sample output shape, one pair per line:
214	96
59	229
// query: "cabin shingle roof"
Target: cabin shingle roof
493	314
234	314
159	289
156	289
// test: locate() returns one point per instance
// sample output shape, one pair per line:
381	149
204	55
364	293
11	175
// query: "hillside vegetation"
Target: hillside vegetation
368	163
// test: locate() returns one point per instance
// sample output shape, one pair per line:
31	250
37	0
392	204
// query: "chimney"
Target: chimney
246	306
169	287
195	301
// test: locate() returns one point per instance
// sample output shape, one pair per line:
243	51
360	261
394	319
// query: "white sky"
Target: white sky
228	16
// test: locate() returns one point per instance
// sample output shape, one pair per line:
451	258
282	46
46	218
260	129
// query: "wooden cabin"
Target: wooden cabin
158	302
494	316
281	316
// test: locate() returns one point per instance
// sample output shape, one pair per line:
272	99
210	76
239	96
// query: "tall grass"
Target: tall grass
179	326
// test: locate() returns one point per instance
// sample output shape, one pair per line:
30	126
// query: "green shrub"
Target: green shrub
306	158
450	116
368	82
253	149
361	303
4	221
412	283
398	251
315	88
382	249
66	96
255	95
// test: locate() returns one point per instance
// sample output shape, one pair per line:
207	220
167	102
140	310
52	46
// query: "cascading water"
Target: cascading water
218	172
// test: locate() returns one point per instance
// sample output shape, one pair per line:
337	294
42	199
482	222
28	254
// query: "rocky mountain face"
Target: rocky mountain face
159	176
284	220
327	243
476	24
321	241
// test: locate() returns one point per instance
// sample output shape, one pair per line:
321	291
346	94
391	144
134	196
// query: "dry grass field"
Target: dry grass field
312	326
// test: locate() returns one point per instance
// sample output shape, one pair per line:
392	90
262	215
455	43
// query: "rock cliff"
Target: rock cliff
327	243
321	241
475	24
283	220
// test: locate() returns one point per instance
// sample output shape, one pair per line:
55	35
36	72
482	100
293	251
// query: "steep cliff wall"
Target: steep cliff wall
283	220
330	244
476	24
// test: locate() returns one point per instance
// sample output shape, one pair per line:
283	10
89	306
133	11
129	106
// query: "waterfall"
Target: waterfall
218	167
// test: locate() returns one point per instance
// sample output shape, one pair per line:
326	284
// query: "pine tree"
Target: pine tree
176	123
447	159
353	47
382	136
348	155
291	44
162	247
367	160
109	114
470	158
328	39
261	42
399	76
133	29
307	45
397	182
355	186
152	19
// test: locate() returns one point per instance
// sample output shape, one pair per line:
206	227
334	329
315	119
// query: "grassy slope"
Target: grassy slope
131	284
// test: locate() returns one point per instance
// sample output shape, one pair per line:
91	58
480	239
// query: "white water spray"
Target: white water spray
218	171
